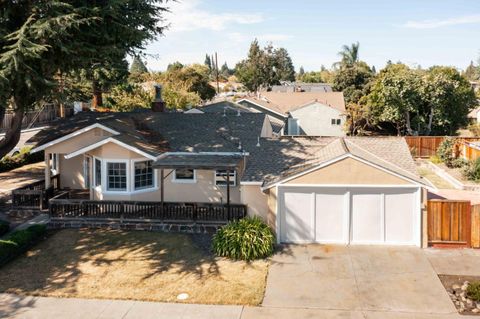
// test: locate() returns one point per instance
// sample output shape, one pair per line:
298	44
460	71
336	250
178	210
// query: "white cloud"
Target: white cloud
187	16
432	24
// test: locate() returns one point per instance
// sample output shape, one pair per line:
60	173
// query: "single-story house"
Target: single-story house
302	87
474	116
304	113
346	190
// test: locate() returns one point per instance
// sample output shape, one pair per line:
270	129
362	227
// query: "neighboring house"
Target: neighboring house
474	116
357	190
302	87
304	113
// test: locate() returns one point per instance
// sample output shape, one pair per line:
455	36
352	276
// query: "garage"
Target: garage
349	215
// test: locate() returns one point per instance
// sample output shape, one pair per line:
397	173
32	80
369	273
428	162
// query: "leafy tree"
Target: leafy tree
283	65
312	77
138	67
208	62
264	67
127	97
472	72
396	97
225	71
353	80
174	66
301	72
42	40
350	54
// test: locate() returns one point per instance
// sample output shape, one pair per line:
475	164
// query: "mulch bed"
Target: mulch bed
456	288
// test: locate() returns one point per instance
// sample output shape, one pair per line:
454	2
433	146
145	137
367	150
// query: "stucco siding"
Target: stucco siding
71	172
349	171
272	208
77	142
315	120
256	200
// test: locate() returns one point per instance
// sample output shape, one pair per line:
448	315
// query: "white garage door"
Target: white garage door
349	215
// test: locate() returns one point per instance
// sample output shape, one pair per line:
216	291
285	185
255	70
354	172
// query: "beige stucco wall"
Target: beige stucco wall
79	141
114	151
272	207
255	199
71	172
349	171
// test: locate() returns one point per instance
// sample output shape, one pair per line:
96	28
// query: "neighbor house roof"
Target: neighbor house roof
284	102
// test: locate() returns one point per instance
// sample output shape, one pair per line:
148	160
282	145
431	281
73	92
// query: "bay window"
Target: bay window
143	175
117	176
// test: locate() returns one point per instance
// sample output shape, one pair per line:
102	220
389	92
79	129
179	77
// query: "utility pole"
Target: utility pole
216	72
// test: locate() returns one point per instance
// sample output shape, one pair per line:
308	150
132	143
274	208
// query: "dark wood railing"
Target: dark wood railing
34	196
133	210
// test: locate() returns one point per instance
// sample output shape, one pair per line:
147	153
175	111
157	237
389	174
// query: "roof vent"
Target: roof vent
224	112
258	141
238	112
240	145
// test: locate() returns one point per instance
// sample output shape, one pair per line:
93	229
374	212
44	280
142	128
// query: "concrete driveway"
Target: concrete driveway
358	279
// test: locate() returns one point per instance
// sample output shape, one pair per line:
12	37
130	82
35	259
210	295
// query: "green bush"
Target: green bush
459	163
24	157
4	227
18	242
472	170
435	159
445	151
246	239
473	290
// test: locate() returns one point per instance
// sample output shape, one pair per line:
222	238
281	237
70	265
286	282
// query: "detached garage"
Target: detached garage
349	196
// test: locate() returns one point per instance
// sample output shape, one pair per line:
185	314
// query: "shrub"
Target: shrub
473	290
19	242
459	163
445	151
435	159
246	239
24	157
472	170
4	227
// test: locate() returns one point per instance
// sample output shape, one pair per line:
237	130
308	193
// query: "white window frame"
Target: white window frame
184	181
105	163
154	180
87	174
217	178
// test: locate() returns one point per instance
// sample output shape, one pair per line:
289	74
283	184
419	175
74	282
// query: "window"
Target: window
117	176
184	175
293	127
221	178
98	172
86	171
336	121
143	175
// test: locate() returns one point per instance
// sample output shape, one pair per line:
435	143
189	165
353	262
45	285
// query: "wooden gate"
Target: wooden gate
449	223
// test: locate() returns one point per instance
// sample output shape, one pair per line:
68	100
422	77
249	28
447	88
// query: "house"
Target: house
347	190
474	116
304	113
302	87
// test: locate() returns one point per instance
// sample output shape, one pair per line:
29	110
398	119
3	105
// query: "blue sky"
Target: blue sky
421	32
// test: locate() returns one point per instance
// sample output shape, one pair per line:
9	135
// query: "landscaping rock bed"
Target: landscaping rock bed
456	287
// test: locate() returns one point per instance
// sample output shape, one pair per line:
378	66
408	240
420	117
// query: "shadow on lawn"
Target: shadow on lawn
60	261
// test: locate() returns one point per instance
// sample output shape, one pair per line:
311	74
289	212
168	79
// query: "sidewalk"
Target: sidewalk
16	307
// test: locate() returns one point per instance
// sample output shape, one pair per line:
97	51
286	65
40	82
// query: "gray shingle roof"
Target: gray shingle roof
198	161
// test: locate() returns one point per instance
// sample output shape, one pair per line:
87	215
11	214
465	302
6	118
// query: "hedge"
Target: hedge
8	162
4	227
19	242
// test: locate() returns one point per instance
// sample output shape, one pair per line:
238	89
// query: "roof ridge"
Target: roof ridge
344	145
378	157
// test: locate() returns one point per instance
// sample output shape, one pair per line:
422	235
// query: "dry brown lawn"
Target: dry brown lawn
136	265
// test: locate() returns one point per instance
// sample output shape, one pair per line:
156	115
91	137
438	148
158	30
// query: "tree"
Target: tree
472	72
300	74
284	70
349	54
353	80
225	71
264	67
138	67
208	62
41	41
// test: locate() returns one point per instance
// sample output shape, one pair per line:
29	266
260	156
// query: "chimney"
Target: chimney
158	105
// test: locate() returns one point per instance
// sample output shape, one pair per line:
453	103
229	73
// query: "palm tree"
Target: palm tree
349	54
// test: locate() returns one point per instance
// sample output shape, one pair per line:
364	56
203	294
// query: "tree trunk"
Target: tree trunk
97	95
408	124
430	121
12	135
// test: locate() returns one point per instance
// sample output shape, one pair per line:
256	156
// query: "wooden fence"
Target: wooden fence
151	211
426	146
469	151
453	223
34	196
43	116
